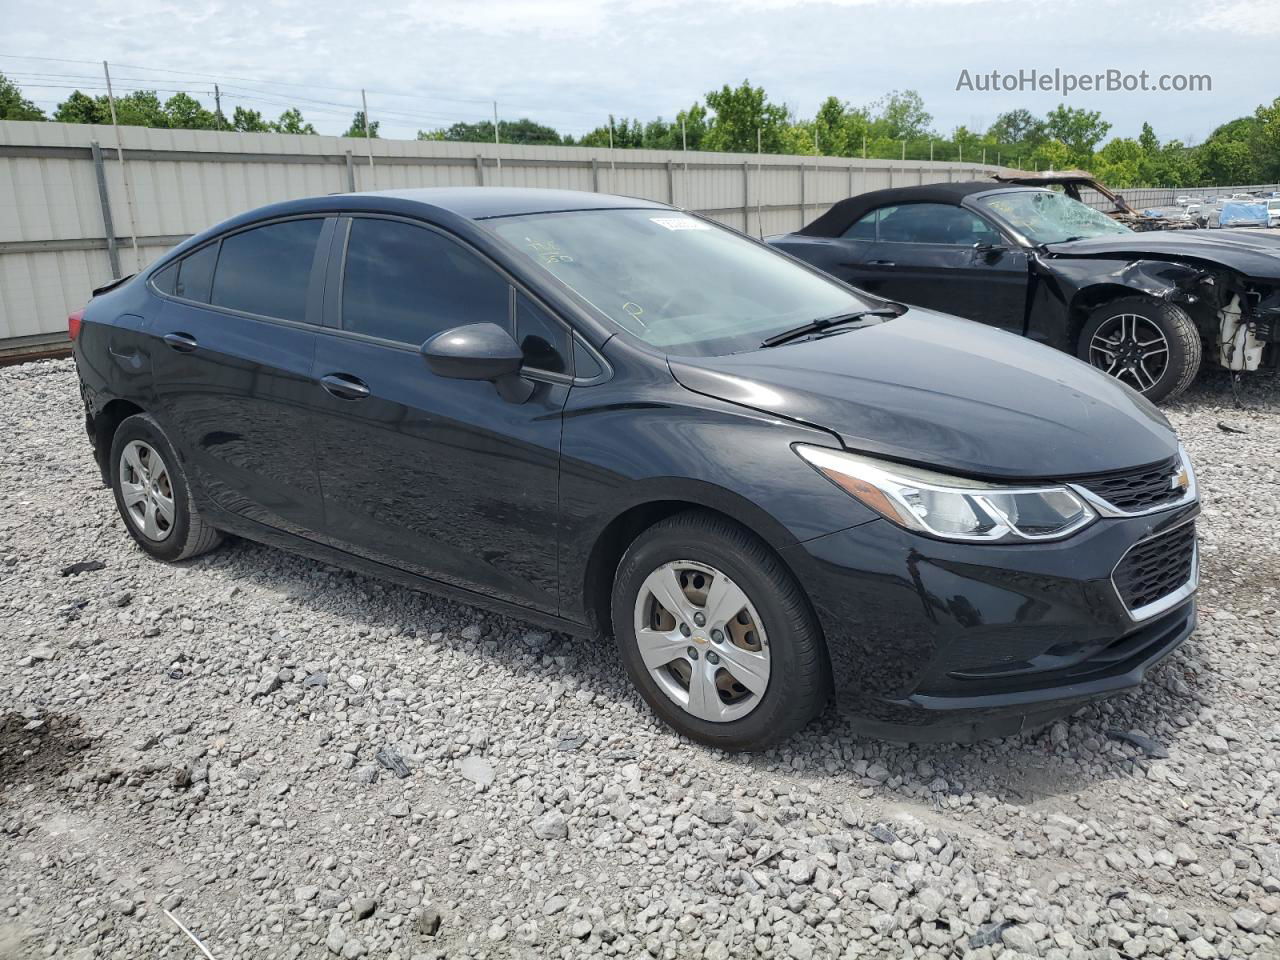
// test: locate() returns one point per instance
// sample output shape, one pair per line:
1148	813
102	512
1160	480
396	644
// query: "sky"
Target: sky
571	63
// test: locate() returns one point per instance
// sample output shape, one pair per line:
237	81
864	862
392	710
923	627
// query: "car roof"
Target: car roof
845	213
481	203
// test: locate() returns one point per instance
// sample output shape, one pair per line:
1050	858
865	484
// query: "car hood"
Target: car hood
1256	255
936	390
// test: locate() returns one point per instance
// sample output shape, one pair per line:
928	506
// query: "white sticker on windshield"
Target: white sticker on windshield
680	223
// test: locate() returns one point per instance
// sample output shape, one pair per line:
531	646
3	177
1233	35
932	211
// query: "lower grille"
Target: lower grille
1137	490
1156	569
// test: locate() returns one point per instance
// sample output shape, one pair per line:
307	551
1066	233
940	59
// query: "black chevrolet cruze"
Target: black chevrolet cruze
611	417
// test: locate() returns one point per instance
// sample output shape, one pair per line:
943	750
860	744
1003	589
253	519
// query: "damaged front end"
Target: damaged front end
1250	331
1238	318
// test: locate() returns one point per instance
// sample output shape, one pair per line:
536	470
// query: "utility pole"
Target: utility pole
124	173
931	151
684	145
904	149
759	223
496	141
864	146
217	100
368	135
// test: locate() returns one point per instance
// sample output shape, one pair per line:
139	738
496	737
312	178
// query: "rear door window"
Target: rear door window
266	271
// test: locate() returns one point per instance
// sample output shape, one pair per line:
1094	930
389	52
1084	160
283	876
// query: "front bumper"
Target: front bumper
945	641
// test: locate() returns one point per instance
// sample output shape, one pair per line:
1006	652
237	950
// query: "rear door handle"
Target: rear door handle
182	342
881	263
344	386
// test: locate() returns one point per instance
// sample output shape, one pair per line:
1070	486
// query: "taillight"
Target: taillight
73	323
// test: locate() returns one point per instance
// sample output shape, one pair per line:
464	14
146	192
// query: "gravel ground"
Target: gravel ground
295	761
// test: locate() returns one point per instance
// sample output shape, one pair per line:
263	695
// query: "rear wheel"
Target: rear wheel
1150	345
717	635
152	493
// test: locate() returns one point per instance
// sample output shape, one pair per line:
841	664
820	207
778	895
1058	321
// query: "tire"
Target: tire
175	533
775	627
1107	343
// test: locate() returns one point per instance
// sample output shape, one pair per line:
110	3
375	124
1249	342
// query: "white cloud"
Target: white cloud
572	63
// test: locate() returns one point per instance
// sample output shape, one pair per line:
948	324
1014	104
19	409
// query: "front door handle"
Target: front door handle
344	386
182	342
881	263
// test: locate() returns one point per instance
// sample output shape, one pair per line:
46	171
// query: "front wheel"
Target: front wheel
717	635
1150	345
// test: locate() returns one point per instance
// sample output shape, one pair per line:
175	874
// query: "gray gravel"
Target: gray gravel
295	761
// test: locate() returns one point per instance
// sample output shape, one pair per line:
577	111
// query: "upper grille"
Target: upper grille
1157	567
1139	489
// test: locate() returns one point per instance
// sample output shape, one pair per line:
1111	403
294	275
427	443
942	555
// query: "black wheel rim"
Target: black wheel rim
1131	348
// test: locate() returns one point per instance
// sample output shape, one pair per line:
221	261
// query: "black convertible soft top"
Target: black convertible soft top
846	213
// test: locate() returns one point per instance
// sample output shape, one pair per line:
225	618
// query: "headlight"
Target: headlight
953	508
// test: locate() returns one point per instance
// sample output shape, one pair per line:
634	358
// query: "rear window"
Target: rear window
266	270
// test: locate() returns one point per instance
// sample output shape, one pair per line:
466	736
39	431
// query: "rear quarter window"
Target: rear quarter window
195	274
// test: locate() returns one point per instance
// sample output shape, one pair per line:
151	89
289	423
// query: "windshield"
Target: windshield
681	284
1043	216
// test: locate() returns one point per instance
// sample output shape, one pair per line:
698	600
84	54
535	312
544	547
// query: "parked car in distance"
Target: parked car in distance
1182	201
1273	212
1244	213
1142	307
610	417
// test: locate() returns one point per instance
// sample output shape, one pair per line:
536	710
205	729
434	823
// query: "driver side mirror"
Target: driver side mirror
988	251
479	351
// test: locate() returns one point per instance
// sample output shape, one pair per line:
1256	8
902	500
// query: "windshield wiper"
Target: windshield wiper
822	323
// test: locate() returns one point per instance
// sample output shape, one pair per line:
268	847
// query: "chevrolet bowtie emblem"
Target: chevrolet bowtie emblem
1180	480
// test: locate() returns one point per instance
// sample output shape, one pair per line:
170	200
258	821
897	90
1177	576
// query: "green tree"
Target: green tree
357	127
291	122
1148	141
840	129
139	109
1174	166
900	115
523	130
1266	141
82	108
13	105
249	121
1225	162
620	133
1018	127
185	112
1081	130
1052	155
739	112
1120	163
695	127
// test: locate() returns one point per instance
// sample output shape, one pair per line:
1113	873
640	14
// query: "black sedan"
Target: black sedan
1146	308
613	418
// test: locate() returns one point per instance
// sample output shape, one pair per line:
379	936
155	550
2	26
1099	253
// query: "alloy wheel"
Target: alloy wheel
702	641
1130	348
146	490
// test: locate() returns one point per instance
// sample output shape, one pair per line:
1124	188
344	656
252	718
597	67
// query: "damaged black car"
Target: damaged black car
1146	308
